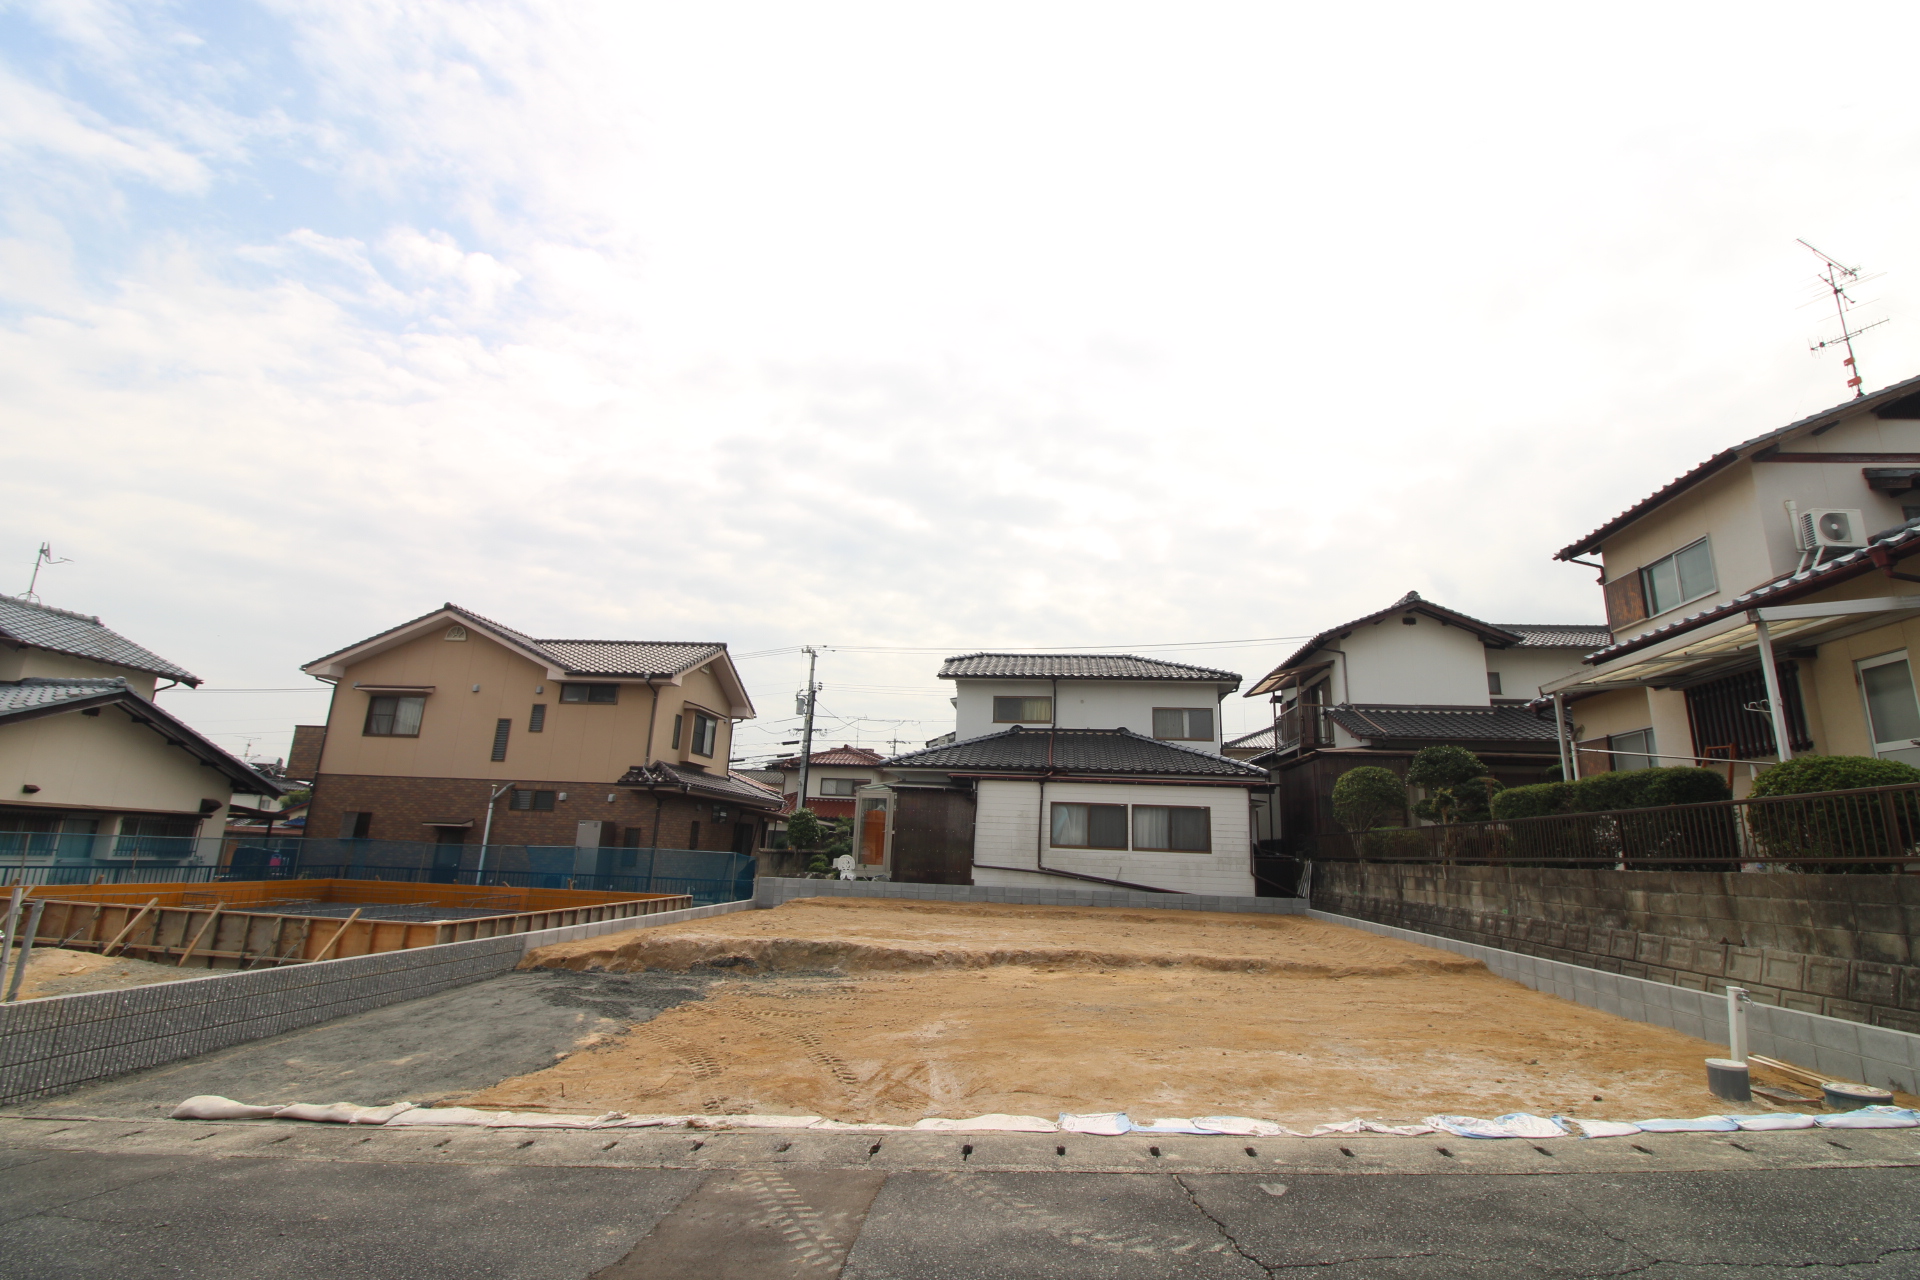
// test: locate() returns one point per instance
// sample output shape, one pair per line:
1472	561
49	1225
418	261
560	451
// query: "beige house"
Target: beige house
453	729
93	774
1792	544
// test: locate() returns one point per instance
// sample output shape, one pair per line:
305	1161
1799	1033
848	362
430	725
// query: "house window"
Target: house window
705	730
1685	575
501	728
1632	750
537	720
693	839
1177	828
1893	715
355	825
678	722
838	786
394	717
156	837
603	693
537	801
1493	683
1183	724
1023	710
1730	720
1090	826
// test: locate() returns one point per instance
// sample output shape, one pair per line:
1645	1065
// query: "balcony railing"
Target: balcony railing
1873	829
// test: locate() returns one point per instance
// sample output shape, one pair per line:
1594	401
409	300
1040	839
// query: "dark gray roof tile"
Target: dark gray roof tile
1443	724
1076	666
39	626
1080	751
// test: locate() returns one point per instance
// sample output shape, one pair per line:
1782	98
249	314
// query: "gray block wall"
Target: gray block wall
50	1045
1833	1046
771	891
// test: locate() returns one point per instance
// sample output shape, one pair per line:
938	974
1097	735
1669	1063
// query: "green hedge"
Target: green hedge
1629	789
1805	774
1839	827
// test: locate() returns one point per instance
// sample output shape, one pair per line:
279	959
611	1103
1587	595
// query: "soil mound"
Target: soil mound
883	935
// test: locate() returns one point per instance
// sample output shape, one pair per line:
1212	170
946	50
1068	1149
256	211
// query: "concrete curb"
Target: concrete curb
54	1044
1834	1046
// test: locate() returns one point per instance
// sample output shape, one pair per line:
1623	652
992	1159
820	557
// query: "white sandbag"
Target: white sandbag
995	1123
1524	1125
1698	1124
751	1122
1773	1121
1371	1126
1467	1126
543	1120
342	1112
211	1106
379	1115
1100	1124
639	1122
1240	1126
419	1117
1600	1128
1871	1118
841	1126
1168	1124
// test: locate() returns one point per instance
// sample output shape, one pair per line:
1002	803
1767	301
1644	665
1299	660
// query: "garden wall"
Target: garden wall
1837	945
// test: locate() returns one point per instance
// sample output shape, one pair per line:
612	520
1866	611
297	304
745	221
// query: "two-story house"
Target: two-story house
1378	689
1758	603
456	730
832	778
1094	767
95	774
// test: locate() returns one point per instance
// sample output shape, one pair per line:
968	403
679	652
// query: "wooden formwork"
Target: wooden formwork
235	925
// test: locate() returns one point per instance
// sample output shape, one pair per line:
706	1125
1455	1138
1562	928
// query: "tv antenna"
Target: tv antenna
41	559
1839	277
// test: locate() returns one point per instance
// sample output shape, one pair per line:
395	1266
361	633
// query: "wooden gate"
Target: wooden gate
933	836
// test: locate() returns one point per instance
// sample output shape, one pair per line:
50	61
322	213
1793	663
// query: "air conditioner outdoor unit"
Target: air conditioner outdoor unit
1830	527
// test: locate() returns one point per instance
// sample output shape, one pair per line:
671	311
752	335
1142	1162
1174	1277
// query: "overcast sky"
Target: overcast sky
906	328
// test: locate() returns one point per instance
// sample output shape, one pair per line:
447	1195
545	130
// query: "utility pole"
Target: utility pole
806	733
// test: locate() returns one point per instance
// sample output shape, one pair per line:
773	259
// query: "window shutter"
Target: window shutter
537	721
1626	601
501	728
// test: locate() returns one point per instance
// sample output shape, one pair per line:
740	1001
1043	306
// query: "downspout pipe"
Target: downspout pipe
1560	736
1040	812
486	829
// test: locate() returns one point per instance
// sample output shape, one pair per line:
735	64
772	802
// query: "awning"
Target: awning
1289	679
416	690
1692	656
467	825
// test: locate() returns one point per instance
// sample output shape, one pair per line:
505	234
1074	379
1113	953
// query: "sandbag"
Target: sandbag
1101	1124
1773	1121
638	1122
1600	1128
1871	1118
1698	1124
1168	1124
211	1106
1370	1126
1240	1126
418	1117
751	1122
1467	1126
342	1112
543	1120
988	1124
1523	1125
841	1126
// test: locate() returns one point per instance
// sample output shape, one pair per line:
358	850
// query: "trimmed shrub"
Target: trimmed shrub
1804	774
1536	801
1366	797
1840	826
1629	789
1457	782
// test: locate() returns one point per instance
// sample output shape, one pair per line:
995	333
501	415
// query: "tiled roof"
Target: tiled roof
1839	569
61	631
31	694
1081	751
633	658
858	756
1443	724
1860	404
1557	635
1258	740
1076	666
1413	601
726	787
26	699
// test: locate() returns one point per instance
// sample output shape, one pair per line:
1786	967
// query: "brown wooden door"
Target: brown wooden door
873	837
933	836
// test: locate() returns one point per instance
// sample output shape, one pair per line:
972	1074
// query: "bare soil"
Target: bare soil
897	1010
56	971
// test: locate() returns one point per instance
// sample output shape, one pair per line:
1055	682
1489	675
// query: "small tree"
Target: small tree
1457	783
1366	797
805	831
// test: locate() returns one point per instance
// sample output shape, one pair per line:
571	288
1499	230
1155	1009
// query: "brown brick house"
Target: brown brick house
597	745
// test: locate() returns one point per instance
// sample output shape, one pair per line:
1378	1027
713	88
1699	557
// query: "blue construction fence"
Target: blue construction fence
707	876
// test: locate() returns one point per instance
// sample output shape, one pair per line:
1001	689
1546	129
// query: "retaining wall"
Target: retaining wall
1838	945
1835	1046
54	1044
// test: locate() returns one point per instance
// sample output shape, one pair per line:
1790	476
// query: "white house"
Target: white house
833	776
1101	768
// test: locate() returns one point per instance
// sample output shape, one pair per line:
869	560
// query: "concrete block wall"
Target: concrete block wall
772	891
1837	945
51	1045
1834	1046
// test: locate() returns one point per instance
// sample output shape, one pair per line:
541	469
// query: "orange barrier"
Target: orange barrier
234	925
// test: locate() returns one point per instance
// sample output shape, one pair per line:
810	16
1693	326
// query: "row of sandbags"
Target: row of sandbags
401	1115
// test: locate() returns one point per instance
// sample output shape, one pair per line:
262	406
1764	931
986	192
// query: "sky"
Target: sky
902	330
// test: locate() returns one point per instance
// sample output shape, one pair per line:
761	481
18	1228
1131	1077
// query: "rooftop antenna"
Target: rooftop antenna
1838	277
41	558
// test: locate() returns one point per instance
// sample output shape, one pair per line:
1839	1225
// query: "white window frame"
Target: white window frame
851	784
1860	668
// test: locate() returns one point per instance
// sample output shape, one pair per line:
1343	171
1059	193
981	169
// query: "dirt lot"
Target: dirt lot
897	1010
54	971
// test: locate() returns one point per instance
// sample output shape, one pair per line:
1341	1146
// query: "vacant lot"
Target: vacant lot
897	1010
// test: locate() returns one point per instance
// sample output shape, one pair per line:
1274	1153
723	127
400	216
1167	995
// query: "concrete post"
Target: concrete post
1737	1001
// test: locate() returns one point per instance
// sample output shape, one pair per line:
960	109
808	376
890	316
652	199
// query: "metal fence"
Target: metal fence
1873	829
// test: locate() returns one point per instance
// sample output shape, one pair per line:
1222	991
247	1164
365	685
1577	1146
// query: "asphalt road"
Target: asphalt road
241	1202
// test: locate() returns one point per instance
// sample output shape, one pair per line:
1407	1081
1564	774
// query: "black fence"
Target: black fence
1874	829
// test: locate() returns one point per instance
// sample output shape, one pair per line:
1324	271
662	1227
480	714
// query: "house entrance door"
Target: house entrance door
449	844
1893	715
